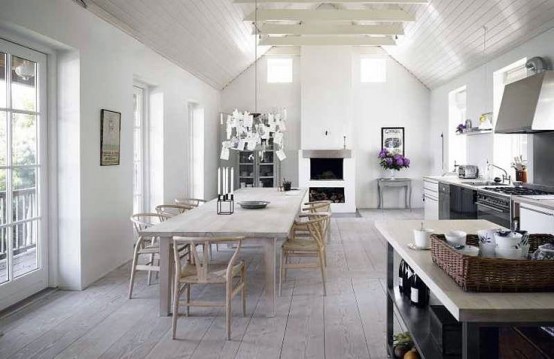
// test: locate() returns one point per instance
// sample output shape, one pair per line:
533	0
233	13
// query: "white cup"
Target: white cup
421	238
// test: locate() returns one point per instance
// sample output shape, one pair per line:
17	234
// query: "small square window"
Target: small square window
373	70
279	70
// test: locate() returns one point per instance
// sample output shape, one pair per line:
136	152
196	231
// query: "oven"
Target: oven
494	208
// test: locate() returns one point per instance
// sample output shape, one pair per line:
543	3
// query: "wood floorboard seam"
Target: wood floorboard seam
360	317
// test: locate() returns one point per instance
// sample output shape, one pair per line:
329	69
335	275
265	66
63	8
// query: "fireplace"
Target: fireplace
333	194
326	169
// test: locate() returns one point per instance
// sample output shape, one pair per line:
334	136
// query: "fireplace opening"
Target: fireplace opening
326	169
334	194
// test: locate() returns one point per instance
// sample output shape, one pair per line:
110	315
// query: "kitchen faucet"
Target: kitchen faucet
505	176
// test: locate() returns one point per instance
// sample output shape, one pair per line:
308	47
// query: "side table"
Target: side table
383	183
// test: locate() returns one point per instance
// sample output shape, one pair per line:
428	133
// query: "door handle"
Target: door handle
491	208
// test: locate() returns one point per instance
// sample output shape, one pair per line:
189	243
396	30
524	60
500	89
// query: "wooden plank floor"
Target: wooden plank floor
101	322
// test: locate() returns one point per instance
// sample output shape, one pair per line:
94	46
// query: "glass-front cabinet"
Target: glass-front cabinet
257	169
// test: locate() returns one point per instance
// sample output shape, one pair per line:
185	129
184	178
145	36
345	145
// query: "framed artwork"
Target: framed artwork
110	136
392	138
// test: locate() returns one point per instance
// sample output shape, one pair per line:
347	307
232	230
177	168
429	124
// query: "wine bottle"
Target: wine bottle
401	270
407	280
419	293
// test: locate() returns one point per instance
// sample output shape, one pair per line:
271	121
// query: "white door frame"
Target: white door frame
35	280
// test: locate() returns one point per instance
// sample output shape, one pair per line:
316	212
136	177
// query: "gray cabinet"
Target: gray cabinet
257	169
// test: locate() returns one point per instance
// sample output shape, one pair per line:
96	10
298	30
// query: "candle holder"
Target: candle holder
225	204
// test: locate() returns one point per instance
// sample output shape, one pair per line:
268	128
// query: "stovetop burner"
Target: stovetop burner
518	191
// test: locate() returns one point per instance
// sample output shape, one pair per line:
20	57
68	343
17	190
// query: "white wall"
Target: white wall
479	84
402	102
239	94
109	61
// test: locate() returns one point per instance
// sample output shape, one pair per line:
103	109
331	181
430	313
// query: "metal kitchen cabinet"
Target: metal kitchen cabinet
536	219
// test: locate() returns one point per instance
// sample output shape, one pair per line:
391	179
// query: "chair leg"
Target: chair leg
133	271
243	290
175	308
228	312
282	270
187	289
321	266
150	272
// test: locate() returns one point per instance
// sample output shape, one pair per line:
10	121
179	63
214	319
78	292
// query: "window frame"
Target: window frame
144	128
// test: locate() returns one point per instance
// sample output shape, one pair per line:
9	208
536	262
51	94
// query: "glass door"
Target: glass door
23	224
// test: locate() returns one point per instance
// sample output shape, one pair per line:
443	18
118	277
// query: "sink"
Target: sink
483	183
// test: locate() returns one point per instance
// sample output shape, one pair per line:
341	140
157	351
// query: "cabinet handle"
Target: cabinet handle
491	208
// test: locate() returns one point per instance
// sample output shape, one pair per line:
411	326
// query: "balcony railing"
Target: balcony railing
24	232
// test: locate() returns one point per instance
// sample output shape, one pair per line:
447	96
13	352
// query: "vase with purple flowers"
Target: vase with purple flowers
392	161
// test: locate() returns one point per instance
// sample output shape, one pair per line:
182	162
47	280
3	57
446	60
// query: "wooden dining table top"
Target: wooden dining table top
274	221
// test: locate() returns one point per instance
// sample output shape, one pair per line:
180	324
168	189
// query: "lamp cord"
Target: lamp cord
256	57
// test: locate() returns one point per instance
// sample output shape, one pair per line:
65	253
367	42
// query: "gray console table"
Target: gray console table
383	183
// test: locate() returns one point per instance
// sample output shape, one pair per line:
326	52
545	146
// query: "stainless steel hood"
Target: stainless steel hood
528	105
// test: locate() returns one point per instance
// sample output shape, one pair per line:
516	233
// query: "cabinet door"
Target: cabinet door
536	219
431	208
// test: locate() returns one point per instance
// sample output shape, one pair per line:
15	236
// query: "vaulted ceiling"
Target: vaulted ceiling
210	38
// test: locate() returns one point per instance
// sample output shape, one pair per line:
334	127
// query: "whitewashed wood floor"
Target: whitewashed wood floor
101	322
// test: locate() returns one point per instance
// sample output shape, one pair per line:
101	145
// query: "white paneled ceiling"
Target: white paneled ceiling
210	39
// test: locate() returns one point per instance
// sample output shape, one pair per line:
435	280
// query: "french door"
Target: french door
23	220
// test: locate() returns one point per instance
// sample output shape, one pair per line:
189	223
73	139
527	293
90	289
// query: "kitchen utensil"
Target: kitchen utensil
421	237
507	239
456	238
253	204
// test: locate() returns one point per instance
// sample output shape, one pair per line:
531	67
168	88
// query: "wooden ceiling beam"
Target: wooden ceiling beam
326	41
330	29
400	2
381	15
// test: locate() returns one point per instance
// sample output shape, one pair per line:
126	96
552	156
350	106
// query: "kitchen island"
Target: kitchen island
481	314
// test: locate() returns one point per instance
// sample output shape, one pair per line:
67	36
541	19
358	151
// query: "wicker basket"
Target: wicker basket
479	274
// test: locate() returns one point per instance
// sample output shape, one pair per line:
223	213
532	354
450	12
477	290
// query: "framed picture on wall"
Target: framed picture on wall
392	138
110	136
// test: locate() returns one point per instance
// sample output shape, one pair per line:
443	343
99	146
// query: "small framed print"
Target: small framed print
110	136
392	138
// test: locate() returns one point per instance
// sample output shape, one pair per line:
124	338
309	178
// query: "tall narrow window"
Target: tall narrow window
23	240
196	151
138	149
507	146
457	149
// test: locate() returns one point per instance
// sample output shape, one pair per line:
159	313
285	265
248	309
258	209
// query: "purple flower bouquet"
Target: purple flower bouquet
392	161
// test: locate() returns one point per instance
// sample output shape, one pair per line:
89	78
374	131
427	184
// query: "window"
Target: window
373	70
457	149
196	151
507	146
23	243
138	149
279	70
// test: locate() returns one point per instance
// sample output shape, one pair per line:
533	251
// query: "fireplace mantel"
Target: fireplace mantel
327	153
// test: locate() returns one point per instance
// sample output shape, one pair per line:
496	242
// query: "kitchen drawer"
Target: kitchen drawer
431	186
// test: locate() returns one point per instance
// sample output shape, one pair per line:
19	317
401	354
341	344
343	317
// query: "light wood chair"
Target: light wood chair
300	244
231	274
145	246
172	210
194	202
320	207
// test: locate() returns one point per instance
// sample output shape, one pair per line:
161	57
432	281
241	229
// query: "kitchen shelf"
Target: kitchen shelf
266	163
417	323
473	133
246	164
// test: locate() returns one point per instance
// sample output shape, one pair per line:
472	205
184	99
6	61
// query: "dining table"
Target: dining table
266	227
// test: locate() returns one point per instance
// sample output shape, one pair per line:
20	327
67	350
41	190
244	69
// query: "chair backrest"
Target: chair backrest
318	206
317	226
201	260
142	221
172	210
194	202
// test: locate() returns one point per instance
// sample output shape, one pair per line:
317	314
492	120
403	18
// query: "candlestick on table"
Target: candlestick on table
219	181
232	179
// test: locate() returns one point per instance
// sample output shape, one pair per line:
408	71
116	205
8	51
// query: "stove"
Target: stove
518	191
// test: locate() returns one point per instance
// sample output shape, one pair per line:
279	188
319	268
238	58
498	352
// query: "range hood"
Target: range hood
528	105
